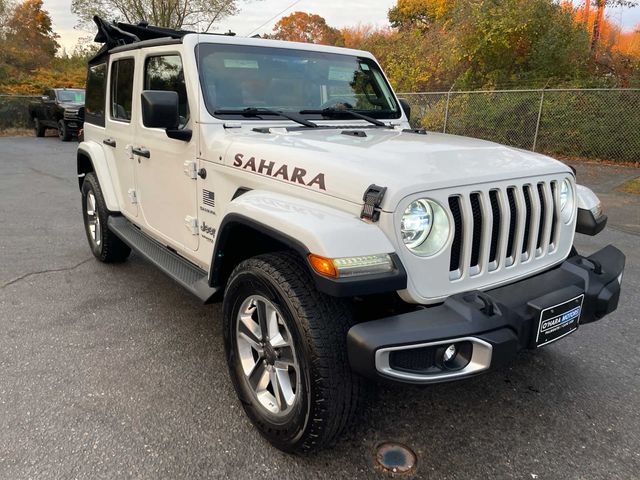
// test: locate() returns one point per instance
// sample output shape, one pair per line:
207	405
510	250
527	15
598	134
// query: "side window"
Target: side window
95	97
122	89
165	73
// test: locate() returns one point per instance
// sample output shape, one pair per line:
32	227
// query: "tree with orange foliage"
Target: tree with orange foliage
358	36
30	41
307	28
419	13
598	16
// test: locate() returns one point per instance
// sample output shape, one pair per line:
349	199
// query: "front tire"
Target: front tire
286	351
104	244
63	131
38	127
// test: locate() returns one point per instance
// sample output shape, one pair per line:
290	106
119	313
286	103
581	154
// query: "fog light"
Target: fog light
449	353
454	356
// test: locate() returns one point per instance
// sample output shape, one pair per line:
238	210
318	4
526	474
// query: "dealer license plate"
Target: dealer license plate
559	321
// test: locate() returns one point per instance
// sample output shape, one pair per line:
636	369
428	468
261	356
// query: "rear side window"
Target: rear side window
95	97
165	73
122	89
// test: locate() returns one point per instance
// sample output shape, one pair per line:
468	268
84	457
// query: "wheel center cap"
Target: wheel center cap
270	354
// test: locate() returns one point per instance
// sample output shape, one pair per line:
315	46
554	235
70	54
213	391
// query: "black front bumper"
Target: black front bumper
498	322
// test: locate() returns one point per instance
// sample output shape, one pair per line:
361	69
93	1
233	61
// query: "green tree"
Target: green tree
200	14
485	43
517	40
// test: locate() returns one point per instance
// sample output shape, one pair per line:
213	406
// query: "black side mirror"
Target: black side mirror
160	109
405	107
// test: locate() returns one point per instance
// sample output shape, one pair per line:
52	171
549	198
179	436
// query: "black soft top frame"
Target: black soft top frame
117	34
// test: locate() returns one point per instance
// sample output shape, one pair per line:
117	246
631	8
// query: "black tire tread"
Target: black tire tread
63	132
112	250
326	320
38	127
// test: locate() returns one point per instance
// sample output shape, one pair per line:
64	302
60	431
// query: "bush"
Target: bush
14	111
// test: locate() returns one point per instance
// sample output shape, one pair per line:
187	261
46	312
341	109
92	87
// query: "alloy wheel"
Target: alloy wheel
267	355
93	219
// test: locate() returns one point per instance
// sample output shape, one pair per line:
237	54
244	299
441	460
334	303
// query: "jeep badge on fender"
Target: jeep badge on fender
283	180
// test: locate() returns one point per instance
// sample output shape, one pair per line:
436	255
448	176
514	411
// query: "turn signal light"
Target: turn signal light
351	266
322	265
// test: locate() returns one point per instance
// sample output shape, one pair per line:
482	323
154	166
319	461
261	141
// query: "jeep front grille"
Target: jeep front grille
501	227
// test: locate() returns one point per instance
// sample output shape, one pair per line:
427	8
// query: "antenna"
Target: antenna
273	18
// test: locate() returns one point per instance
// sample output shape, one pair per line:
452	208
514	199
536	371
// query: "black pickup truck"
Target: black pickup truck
59	108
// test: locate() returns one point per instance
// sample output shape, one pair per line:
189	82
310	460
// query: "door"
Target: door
48	107
165	167
119	131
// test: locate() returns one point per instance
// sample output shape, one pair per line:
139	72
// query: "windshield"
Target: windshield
235	77
70	96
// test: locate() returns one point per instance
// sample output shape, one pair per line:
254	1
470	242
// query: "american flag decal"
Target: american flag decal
209	198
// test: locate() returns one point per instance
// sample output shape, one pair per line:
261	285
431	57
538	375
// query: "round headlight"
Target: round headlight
566	200
416	223
424	227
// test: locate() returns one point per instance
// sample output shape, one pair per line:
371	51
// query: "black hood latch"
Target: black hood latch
372	200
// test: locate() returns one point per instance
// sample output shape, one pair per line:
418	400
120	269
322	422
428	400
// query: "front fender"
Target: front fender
320	229
94	153
306	227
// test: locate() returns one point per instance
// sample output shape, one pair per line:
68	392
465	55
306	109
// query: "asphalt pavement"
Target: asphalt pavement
116	372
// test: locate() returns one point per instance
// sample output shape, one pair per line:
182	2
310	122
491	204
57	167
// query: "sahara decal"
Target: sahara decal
283	171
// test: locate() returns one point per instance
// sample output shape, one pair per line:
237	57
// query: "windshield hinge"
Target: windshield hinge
372	200
190	169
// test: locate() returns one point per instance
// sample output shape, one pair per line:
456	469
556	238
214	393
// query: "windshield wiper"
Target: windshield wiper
257	112
338	112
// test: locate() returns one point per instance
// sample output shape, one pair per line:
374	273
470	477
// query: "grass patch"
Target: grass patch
631	186
16	132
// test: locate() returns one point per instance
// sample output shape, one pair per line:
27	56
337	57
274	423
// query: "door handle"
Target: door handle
110	142
141	152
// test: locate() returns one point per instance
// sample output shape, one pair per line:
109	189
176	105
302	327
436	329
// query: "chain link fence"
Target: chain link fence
14	111
590	123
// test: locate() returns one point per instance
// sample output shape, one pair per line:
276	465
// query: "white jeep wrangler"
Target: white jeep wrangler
285	180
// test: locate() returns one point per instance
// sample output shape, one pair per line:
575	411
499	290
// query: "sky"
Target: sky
338	13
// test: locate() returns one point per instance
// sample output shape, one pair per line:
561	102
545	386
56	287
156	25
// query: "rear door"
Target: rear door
120	129
165	173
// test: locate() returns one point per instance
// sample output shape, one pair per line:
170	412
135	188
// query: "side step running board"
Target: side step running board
181	270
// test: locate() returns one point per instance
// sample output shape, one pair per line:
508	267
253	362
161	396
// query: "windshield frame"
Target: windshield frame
377	114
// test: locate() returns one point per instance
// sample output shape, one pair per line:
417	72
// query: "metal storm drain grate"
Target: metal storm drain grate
395	458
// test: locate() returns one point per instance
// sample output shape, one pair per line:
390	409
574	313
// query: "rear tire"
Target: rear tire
292	373
104	244
38	127
63	131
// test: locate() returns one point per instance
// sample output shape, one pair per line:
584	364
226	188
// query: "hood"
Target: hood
345	165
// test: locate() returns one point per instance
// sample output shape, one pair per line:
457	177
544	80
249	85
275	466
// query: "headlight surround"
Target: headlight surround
424	227
567	201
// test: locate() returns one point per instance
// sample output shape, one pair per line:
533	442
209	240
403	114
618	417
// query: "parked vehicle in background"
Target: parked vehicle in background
59	108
